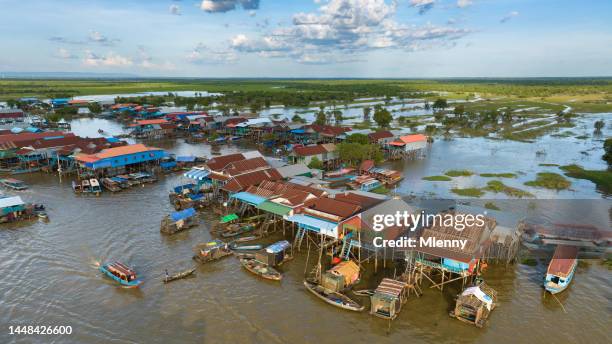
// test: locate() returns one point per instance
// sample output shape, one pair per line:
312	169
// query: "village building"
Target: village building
326	153
120	160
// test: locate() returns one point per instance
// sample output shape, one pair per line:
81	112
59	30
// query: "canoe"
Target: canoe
180	275
260	269
246	239
235	247
332	297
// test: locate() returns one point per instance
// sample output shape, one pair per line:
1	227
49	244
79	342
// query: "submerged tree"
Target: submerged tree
599	125
608	152
440	104
366	113
382	117
321	119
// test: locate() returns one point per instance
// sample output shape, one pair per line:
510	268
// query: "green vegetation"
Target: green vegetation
459	173
530	261
315	163
354	153
607	263
603	179
381	190
608	152
437	178
468	192
498	175
358	138
492	206
382	116
497	187
550	180
550	165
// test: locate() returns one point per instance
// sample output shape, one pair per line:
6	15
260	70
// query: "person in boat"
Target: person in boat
167	273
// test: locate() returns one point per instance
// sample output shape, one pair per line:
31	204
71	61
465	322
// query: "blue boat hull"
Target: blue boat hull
131	284
555	288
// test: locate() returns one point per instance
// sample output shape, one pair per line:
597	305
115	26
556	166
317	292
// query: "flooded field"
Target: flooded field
51	276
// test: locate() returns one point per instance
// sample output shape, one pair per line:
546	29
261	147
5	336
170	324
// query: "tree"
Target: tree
321	119
459	110
297	119
315	163
366	113
440	104
353	153
427	106
338	116
599	125
608	155
94	108
430	130
382	117
358	138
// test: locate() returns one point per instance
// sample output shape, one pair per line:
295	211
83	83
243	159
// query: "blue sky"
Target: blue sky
309	38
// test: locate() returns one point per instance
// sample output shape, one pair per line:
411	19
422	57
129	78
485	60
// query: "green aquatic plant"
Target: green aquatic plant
498	175
497	187
549	180
459	173
437	178
468	192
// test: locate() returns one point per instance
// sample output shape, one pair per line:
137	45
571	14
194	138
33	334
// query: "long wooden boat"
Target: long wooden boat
186	273
234	247
561	269
260	269
111	185
333	298
236	230
122	274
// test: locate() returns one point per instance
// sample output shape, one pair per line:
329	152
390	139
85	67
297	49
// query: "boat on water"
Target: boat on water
179	221
331	297
211	251
387	300
122	274
248	248
245	239
561	269
95	186
340	177
177	276
237	229
13	184
110	185
260	269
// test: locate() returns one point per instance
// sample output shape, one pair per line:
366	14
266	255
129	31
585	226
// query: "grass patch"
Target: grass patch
603	179
498	175
607	263
437	178
459	173
497	187
582	137
381	190
550	180
550	165
529	261
492	206
468	192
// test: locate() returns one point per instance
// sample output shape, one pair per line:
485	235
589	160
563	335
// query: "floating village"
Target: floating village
291	193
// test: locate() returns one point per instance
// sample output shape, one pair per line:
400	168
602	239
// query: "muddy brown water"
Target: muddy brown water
50	277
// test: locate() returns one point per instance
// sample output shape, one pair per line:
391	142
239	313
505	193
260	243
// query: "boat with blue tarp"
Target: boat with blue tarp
211	251
179	221
122	274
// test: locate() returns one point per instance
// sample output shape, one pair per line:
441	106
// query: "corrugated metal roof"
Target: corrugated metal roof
274	208
293	170
249	198
11	201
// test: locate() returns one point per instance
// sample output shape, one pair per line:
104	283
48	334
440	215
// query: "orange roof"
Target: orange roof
114	152
78	101
151	121
413	138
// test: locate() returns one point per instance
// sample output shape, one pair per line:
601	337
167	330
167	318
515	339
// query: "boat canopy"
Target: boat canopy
197	174
390	287
119	179
228	218
180	188
183	214
188	158
278	247
10	201
480	295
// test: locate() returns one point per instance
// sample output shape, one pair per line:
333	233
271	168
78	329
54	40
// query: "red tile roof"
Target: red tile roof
328	130
243	166
384	134
310	150
220	162
114	152
363	201
17	138
334	207
243	181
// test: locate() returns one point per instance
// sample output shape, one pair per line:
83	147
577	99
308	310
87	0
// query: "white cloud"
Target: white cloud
110	60
175	10
509	16
64	54
97	37
423	5
214	6
343	28
202	54
464	3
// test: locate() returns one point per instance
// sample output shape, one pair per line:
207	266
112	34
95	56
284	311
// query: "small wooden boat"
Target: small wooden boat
122	274
261	269
95	186
13	184
236	230
77	187
211	251
332	297
245	239
474	304
242	248
561	269
85	187
111	185
186	273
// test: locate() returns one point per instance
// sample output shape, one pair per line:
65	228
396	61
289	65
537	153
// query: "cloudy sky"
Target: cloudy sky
308	38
